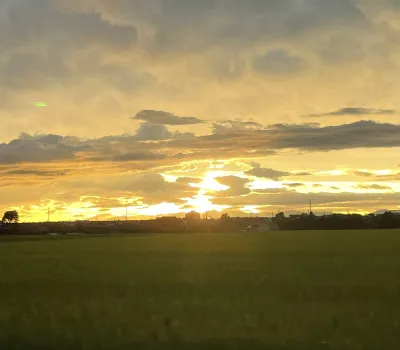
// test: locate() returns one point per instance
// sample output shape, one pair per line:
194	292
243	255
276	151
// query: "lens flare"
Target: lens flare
40	104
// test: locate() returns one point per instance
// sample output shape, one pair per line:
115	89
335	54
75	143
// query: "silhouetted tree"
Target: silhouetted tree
225	223
225	217
388	220
10	217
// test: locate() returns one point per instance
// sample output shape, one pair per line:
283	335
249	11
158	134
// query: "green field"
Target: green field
299	290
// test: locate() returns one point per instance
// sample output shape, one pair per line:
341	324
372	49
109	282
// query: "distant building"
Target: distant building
193	215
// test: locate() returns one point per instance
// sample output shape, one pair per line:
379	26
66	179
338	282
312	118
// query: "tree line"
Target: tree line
387	220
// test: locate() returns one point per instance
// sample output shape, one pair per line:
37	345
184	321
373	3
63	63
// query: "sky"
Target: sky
160	107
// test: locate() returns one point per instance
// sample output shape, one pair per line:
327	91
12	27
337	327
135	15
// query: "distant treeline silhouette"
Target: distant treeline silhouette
387	220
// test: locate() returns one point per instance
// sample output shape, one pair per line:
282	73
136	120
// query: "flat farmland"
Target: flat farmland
280	290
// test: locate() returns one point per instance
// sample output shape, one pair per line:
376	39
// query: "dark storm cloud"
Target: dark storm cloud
354	111
165	118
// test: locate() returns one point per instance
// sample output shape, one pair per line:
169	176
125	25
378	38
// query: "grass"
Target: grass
287	290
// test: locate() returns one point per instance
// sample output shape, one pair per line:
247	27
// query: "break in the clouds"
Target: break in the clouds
224	126
215	82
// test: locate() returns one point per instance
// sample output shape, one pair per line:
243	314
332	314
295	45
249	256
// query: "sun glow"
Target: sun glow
161	209
260	184
210	184
384	172
250	209
336	172
202	203
169	178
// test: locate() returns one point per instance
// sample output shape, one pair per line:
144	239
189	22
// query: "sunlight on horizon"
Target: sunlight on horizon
135	207
250	209
263	184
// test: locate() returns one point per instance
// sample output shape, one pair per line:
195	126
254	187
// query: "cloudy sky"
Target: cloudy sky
165	106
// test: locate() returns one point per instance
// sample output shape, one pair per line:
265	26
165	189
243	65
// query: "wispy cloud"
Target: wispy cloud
354	111
165	118
34	172
267	173
374	187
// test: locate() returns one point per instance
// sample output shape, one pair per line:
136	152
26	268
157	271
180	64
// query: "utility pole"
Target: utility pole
126	213
310	206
